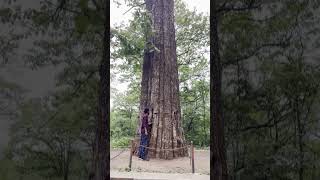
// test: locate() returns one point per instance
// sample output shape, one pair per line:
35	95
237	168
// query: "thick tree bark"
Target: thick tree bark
218	157
101	157
160	83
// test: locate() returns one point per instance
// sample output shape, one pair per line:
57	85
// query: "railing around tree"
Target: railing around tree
132	147
191	153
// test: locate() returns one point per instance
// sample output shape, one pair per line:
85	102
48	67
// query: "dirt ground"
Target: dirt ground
180	165
156	176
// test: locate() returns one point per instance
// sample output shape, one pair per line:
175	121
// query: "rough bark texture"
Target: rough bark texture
101	148
218	157
160	84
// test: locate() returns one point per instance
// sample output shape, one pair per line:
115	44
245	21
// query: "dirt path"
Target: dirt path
155	176
180	165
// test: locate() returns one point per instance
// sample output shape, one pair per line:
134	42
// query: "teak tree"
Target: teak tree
218	154
160	83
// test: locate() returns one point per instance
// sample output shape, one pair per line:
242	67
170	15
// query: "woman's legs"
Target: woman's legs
147	145
140	147
143	150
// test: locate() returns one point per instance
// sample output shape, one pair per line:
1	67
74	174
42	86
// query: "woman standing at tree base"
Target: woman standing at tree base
144	136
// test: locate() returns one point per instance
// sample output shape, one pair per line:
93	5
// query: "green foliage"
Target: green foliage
48	147
8	170
82	23
270	89
124	118
270	86
52	137
4	84
121	142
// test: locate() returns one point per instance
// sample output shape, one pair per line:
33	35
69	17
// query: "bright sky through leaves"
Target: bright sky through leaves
120	14
117	13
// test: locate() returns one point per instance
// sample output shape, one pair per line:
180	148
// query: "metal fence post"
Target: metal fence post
192	156
131	153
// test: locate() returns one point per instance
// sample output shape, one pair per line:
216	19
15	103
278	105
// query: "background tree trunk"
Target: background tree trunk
101	149
160	83
218	156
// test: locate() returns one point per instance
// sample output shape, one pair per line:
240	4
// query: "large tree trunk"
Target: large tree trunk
101	148
218	157
160	83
